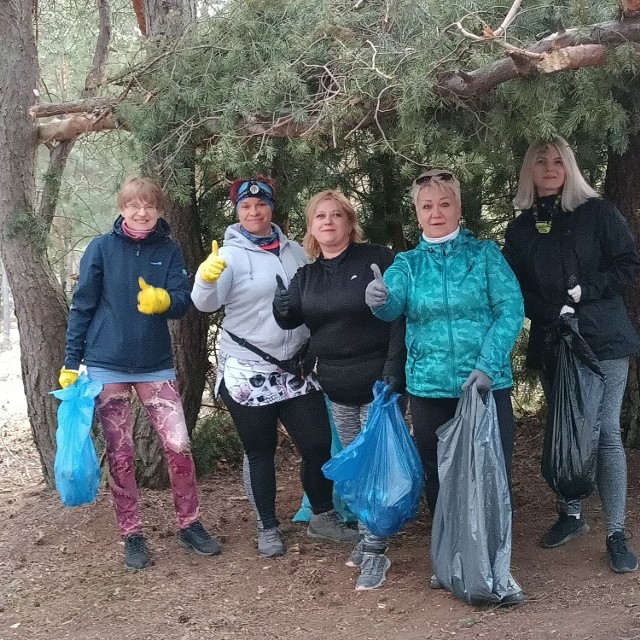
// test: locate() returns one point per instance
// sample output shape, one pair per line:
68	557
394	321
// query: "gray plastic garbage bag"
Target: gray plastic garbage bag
471	535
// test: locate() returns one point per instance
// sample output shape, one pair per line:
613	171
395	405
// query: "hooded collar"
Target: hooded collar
161	230
233	237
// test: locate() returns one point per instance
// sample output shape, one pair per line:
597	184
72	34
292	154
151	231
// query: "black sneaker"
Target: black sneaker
197	538
434	583
135	552
621	558
565	529
515	594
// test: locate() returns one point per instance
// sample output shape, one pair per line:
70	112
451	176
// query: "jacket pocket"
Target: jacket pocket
94	334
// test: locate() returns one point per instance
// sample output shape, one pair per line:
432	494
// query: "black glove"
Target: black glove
393	385
282	298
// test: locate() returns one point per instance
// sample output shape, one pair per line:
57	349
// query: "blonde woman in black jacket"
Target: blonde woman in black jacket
353	348
573	252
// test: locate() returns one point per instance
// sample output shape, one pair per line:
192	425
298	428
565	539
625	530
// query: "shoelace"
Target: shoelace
372	565
338	523
199	531
135	544
271	535
618	544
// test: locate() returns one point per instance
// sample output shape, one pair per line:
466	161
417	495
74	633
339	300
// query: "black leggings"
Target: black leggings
427	414
307	422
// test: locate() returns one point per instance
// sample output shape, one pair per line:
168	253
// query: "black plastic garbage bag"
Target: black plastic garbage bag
471	535
570	455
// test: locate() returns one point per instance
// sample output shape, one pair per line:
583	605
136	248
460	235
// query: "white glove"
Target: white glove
575	293
566	309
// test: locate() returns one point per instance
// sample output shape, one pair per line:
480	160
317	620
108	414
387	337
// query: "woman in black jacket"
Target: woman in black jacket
353	348
573	252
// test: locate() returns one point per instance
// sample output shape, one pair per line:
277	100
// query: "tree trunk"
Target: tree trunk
39	303
189	335
622	187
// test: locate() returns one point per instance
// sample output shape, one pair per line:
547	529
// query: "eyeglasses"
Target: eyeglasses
136	207
447	176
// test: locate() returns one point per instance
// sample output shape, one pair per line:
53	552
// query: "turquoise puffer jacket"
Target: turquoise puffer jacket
464	311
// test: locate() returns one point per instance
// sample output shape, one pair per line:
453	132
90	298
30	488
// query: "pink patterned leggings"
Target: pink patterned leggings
162	402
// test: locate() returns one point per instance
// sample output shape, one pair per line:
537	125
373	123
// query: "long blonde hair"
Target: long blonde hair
309	242
575	191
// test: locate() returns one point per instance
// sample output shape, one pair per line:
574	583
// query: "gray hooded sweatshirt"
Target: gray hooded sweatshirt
246	289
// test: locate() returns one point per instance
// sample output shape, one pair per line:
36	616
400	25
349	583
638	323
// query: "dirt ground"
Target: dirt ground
62	574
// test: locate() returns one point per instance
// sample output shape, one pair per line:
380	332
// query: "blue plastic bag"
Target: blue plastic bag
379	475
304	512
76	468
471	532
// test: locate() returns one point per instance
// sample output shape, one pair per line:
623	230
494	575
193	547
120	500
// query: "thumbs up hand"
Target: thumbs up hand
376	293
282	298
213	266
152	300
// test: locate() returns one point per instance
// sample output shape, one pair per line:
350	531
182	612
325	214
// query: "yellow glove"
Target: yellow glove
213	266
152	300
67	377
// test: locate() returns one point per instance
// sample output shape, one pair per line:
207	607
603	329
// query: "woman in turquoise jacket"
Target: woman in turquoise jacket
464	311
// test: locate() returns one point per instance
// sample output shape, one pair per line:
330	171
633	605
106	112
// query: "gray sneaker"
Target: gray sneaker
373	571
355	558
328	526
270	543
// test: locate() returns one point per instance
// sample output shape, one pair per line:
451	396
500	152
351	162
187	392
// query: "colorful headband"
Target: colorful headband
255	189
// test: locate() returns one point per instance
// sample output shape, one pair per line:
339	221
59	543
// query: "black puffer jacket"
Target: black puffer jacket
592	243
353	347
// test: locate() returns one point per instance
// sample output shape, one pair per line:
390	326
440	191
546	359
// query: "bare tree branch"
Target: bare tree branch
77	124
544	57
59	154
630	8
96	73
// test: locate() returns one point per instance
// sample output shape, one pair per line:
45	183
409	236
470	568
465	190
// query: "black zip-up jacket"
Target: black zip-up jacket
353	347
593	244
105	327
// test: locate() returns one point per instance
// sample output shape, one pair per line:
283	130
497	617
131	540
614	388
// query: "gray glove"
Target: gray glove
376	293
482	380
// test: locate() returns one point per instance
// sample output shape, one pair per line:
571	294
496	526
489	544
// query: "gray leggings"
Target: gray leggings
349	420
612	463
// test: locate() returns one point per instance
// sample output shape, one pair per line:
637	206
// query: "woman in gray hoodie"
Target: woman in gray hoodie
257	374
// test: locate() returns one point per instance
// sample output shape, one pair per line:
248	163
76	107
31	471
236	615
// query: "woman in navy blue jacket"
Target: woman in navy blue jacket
132	280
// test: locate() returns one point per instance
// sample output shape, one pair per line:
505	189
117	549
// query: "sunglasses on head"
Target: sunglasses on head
447	176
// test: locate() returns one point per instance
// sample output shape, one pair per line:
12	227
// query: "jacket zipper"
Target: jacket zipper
137	337
287	281
445	295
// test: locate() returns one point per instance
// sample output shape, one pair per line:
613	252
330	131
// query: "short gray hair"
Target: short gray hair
575	191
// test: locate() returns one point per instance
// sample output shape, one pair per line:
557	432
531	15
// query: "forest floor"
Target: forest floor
62	573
